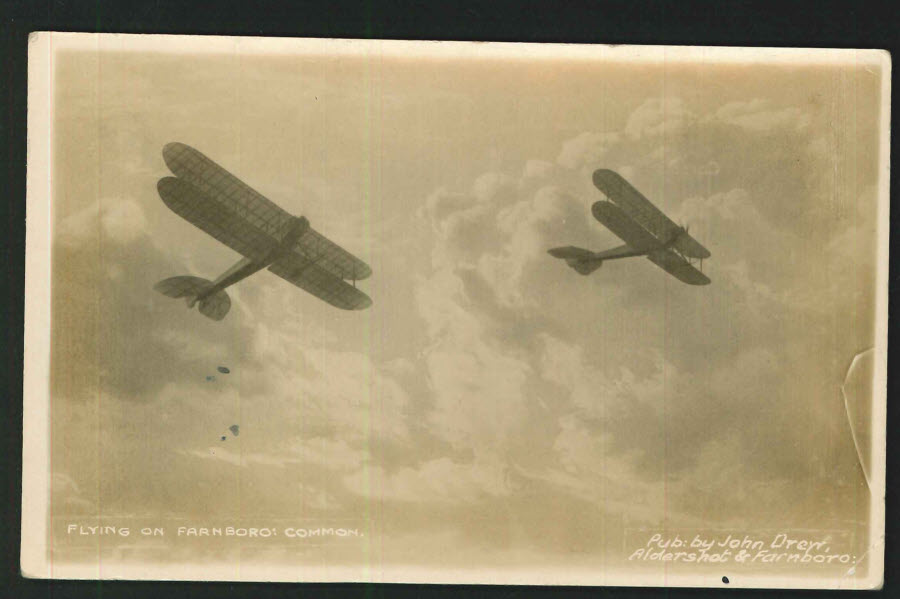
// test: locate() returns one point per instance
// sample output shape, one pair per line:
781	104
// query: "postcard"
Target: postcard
497	313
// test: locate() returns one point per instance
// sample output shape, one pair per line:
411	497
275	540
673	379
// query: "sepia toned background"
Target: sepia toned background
492	409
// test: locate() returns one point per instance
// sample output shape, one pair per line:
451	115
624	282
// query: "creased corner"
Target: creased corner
857	393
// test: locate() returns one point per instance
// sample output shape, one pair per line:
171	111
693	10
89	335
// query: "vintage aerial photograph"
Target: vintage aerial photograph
334	310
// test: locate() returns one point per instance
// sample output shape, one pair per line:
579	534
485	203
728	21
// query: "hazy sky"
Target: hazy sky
492	406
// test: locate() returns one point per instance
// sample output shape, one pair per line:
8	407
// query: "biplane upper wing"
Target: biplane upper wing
213	215
230	193
645	213
638	238
309	276
238	198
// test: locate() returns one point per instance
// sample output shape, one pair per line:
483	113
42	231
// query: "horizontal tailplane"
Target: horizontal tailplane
214	306
583	261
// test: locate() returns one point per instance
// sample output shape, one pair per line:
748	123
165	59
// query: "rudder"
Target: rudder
215	306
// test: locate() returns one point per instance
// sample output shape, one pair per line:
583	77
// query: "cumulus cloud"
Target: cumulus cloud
68	496
710	358
657	117
334	453
442	203
310	401
117	221
538	169
587	148
759	115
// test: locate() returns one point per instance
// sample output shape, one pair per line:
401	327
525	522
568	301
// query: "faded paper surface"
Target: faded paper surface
494	417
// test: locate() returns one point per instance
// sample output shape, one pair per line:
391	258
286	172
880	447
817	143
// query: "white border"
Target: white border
36	367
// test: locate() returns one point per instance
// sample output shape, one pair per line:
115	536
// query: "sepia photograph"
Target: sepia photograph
322	310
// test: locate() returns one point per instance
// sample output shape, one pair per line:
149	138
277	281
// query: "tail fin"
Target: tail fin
583	261
215	306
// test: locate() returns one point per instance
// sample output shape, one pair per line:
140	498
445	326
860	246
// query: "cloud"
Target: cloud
438	481
67	496
630	368
442	203
493	188
334	454
658	117
106	302
759	115
538	169
111	220
134	370
587	148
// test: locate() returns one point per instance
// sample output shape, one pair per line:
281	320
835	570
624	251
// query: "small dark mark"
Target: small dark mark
725	579
223	437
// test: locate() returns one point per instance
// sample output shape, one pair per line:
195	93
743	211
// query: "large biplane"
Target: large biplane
645	230
212	199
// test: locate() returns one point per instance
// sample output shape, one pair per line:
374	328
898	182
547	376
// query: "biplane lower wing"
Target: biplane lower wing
216	218
678	267
616	220
309	276
332	257
642	210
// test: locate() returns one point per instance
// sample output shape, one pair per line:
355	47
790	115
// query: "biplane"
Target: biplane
212	199
645	230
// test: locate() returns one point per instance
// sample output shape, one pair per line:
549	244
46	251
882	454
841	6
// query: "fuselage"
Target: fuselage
662	246
675	237
246	267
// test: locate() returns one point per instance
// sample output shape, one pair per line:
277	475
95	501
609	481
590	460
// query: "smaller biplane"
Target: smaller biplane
645	230
212	199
